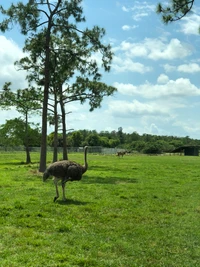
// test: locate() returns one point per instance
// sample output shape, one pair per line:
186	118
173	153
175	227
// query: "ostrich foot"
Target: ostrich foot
55	198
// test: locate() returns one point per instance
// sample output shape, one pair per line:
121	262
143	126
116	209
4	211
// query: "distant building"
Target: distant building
187	150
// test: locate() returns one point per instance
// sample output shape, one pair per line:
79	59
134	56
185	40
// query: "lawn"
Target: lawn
130	211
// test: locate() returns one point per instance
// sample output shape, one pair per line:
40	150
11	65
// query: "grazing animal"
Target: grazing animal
121	153
65	171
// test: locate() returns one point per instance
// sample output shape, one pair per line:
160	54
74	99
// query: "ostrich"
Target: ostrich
65	171
121	153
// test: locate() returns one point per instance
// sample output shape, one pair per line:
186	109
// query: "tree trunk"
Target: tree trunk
65	155
62	106
55	138
43	151
28	157
55	146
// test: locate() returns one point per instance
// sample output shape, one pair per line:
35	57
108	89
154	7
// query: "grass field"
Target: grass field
131	211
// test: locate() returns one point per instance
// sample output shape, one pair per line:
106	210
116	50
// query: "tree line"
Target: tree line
15	133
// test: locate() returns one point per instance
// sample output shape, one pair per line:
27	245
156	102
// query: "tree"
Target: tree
10	133
104	141
14	133
114	142
120	135
47	19
25	101
76	139
30	18
139	145
93	139
175	11
71	57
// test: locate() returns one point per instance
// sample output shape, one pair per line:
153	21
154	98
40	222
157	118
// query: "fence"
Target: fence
91	149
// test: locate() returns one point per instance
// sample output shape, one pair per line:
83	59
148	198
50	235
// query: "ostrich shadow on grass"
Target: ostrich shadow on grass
71	202
109	180
113	167
18	163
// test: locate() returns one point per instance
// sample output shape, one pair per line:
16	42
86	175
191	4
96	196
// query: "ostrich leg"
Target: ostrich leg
56	185
63	189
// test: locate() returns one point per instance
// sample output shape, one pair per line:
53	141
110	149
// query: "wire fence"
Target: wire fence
91	149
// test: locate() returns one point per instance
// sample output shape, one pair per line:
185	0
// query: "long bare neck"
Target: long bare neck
85	166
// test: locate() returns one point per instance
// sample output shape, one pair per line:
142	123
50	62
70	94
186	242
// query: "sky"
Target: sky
155	68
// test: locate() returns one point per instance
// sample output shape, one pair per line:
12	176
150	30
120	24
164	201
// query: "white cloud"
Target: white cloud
163	79
169	68
121	64
189	68
134	49
135	108
190	24
139	16
128	27
186	68
8	115
179	88
125	9
141	10
9	53
154	129
156	49
174	49
189	126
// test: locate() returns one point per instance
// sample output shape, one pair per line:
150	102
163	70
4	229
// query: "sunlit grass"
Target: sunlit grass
131	211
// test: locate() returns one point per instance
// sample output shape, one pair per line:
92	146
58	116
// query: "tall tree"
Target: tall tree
176	10
60	19
26	102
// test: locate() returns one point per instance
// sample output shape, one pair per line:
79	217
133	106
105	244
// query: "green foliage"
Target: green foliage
138	146
70	57
176	10
132	211
50	140
26	15
94	91
13	133
93	139
76	139
114	142
153	148
157	147
24	100
131	141
104	141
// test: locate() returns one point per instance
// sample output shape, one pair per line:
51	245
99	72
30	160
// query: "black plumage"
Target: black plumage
65	171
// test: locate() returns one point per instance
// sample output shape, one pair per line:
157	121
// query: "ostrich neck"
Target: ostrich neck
85	166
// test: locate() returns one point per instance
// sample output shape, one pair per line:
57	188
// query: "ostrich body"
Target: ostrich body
121	153
65	170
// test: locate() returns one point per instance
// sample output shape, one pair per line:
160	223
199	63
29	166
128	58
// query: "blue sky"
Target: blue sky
155	69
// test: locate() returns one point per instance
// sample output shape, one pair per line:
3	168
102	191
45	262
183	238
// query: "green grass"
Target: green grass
131	211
